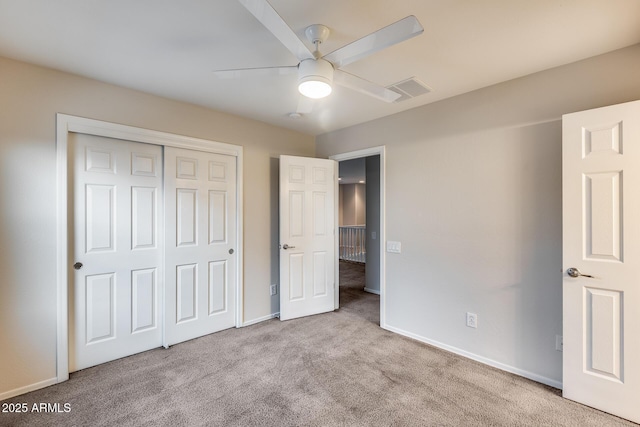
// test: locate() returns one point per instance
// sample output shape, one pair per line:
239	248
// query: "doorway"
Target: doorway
361	230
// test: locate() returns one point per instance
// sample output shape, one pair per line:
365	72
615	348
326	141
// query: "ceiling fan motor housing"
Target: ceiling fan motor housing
315	78
316	33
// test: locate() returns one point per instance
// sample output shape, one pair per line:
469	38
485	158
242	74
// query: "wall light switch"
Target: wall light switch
394	247
373	235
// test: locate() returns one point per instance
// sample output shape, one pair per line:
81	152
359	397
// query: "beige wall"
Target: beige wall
30	97
352	204
473	192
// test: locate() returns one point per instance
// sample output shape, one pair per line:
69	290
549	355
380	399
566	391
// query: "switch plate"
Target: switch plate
373	235
273	290
394	247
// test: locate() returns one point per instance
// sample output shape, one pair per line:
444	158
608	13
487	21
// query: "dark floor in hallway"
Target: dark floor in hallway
353	298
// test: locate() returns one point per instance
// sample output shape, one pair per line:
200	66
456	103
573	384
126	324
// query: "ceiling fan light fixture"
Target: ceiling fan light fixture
315	78
315	89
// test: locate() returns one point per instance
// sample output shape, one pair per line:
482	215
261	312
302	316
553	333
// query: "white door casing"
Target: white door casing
307	236
117	191
201	257
601	238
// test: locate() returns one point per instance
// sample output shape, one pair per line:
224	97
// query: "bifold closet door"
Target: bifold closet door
117	249
200	252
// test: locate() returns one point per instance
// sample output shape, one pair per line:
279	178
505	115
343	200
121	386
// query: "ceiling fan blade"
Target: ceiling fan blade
388	36
254	72
305	105
267	15
364	86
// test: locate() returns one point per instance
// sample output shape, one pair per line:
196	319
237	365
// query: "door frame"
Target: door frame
66	124
367	152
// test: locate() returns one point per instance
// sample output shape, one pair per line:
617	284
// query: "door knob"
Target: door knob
77	265
285	246
574	272
230	251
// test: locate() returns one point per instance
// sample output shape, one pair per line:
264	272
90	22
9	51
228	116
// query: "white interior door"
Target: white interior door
116	247
307	236
601	233
201	257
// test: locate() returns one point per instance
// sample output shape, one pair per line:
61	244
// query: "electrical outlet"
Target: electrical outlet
472	320
273	290
559	342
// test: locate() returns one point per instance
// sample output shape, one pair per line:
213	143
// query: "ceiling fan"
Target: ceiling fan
317	72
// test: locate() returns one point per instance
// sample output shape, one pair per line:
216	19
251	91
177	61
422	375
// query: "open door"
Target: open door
601	257
307	236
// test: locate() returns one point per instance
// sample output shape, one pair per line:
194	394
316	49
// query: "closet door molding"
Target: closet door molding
71	124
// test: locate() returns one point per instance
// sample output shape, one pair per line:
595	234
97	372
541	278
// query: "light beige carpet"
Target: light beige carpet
338	368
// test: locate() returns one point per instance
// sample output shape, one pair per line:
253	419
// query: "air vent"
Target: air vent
409	88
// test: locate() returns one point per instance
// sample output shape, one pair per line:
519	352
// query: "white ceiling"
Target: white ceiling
170	48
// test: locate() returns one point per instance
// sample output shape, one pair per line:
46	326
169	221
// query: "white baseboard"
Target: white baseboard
26	389
261	319
372	291
481	359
